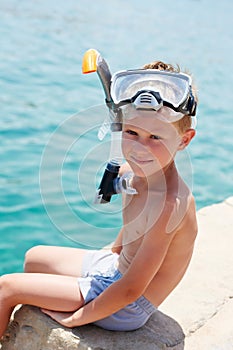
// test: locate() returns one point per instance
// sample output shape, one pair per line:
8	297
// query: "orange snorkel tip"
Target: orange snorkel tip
89	64
93	62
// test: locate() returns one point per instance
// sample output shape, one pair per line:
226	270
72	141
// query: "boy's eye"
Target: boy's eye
155	137
131	132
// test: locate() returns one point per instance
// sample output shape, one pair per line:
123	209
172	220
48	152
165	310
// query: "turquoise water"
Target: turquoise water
50	157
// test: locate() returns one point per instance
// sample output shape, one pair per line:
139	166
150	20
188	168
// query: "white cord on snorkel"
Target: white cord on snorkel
104	129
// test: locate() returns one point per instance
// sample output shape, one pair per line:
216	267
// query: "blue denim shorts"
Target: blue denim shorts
99	271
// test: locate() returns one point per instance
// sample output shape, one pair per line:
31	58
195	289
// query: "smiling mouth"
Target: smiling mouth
141	161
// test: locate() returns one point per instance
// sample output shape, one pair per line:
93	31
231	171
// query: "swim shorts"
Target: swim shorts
98	273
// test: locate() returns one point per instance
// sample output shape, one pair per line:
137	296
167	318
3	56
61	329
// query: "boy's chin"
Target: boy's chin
145	172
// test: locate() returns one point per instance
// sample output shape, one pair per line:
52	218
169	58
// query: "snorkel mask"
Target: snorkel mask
151	89
169	94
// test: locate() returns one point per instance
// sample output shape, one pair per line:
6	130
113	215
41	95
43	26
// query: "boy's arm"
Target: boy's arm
117	245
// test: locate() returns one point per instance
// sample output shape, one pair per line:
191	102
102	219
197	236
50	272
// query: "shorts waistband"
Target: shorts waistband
117	274
146	305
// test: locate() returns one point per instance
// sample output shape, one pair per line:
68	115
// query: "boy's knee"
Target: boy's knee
31	258
6	286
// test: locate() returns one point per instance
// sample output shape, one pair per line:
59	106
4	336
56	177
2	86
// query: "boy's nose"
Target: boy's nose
140	147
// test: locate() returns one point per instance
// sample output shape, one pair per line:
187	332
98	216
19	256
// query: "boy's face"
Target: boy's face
149	144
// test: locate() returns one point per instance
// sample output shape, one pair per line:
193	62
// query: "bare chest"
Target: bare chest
140	213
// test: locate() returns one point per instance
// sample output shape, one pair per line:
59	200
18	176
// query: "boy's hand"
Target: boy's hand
64	318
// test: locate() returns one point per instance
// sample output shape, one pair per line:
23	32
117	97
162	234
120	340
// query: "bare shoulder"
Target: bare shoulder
183	215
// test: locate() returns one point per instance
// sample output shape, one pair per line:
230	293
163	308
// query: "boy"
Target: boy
119	289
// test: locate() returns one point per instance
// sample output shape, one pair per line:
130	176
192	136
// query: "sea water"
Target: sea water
51	159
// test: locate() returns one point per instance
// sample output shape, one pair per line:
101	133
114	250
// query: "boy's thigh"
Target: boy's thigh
54	260
60	293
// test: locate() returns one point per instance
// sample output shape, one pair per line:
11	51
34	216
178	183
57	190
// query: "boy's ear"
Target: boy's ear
186	138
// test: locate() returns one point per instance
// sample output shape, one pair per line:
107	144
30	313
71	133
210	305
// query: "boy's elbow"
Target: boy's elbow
131	294
130	289
116	249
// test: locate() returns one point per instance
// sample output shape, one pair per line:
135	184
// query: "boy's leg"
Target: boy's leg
54	260
54	292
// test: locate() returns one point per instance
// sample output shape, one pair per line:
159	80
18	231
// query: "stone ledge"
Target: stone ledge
30	329
216	333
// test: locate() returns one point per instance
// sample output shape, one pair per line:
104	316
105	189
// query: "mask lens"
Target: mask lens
172	87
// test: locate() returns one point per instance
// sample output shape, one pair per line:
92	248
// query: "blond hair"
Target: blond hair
184	123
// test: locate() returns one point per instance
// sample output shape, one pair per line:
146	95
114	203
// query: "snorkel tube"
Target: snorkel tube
93	62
